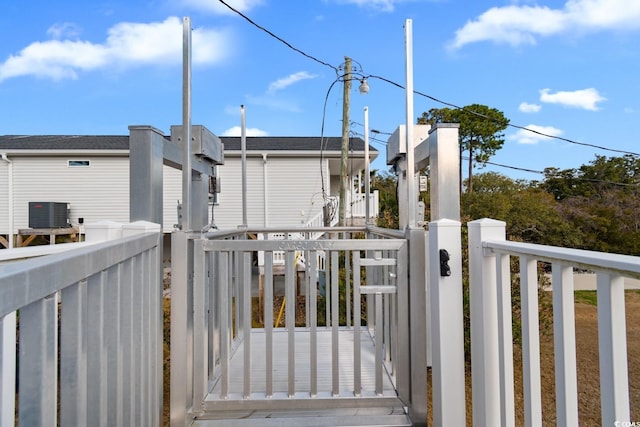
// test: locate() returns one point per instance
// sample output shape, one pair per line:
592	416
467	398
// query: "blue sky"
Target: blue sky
563	67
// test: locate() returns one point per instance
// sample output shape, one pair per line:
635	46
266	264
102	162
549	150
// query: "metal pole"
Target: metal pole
186	125
411	184
243	148
345	141
366	166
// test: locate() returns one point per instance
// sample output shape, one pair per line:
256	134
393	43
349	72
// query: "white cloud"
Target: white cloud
534	134
587	99
516	25
236	131
215	6
525	107
64	30
379	5
289	80
127	45
273	103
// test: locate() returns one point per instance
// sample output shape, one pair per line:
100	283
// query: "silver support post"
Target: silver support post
243	145
411	184
367	178
419	322
443	160
186	125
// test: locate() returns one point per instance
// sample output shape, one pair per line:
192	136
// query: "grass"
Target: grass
586	297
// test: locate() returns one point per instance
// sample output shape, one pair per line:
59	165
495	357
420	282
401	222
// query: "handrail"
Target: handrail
90	335
491	327
578	257
24	282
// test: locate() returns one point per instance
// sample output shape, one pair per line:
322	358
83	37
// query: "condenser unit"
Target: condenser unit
48	214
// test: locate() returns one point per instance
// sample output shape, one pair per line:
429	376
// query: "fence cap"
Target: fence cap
144	226
103	224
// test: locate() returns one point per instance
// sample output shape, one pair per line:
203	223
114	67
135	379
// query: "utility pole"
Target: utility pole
345	141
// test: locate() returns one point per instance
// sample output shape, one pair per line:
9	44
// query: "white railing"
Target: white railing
90	335
491	328
358	206
223	333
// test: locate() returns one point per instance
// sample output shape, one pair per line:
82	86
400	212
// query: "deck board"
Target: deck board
302	365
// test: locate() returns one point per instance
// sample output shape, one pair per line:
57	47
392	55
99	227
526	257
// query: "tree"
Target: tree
387	185
481	132
601	201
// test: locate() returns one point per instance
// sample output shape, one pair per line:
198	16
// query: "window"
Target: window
79	163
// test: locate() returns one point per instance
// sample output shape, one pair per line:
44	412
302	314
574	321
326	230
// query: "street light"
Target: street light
364	86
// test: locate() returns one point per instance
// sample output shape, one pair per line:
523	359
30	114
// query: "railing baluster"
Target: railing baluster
225	327
347	266
139	361
200	355
73	355
335	324
96	360
145	331
111	340
612	343
564	337
530	342
37	374
312	296
246	320
357	351
505	340
387	313
378	344
127	342
290	314
268	319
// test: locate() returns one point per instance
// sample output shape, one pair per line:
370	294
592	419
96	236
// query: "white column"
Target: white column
485	351
447	324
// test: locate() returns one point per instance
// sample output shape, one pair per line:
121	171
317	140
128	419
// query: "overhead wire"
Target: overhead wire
439	101
551	175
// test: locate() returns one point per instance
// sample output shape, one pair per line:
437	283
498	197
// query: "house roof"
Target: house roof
121	142
64	142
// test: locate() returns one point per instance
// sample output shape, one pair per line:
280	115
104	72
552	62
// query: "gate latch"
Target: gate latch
445	270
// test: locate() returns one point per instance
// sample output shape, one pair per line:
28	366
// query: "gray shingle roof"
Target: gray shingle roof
64	142
121	142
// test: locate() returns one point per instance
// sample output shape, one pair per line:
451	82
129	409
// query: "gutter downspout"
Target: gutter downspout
265	187
4	157
8	332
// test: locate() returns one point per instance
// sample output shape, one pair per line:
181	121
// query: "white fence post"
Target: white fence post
489	409
447	323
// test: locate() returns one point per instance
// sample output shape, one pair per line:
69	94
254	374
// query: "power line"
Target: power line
557	175
286	43
448	104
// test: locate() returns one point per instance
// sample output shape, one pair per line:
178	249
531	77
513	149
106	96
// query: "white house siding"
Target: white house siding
4	197
295	190
96	192
172	192
228	210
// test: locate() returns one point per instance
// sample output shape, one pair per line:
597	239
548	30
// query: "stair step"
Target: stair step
311	421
